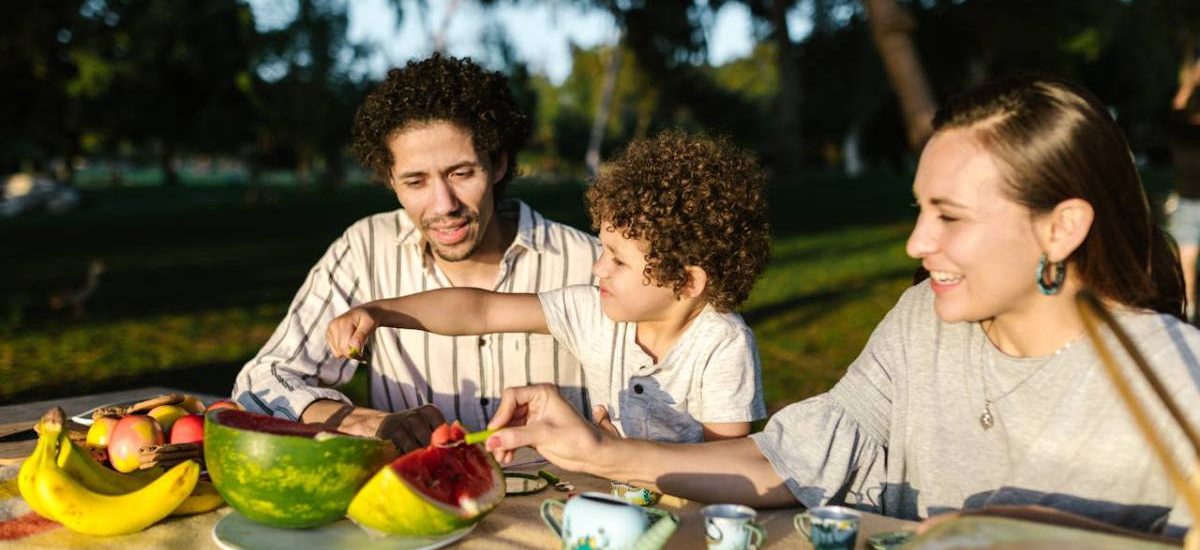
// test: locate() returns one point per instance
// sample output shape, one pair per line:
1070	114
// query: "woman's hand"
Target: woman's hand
348	332
537	416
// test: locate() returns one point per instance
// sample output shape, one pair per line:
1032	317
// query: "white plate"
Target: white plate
235	532
85	417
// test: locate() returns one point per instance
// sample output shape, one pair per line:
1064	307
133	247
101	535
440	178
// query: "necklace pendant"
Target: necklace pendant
986	419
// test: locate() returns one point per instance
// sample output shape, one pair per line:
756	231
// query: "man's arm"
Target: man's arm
408	430
449	311
293	368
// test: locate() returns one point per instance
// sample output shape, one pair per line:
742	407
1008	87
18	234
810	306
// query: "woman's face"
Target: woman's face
978	245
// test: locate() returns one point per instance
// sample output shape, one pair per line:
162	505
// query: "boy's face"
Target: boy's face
625	293
445	186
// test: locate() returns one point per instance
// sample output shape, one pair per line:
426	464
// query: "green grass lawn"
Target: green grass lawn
196	278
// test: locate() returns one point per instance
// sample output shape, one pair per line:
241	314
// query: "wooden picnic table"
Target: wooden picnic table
516	523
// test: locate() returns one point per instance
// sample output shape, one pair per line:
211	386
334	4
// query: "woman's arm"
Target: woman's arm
724	471
449	311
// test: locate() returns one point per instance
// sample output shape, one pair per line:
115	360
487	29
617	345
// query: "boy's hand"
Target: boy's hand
348	332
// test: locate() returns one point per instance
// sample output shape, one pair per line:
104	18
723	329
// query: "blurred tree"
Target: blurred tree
789	98
37	41
892	29
309	106
608	88
170	75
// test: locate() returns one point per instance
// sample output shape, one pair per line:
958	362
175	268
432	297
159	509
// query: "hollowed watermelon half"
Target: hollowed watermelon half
431	491
287	474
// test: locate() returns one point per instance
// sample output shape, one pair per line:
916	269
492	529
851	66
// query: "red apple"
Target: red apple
101	430
188	429
133	432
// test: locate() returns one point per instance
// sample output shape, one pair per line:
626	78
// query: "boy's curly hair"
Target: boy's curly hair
441	89
696	201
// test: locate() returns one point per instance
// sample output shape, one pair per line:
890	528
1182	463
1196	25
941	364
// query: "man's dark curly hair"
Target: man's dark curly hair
441	89
696	201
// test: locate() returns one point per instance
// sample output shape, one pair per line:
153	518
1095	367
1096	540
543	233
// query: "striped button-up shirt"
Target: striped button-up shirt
384	256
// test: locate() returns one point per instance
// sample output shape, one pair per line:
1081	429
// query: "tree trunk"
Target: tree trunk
608	89
335	173
892	30
791	143
166	162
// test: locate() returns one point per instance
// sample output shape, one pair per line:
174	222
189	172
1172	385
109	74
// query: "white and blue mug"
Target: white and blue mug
732	527
829	527
597	520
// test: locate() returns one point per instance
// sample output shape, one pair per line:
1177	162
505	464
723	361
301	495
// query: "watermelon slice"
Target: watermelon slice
432	491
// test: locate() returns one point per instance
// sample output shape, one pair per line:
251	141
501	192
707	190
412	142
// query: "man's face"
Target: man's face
445	186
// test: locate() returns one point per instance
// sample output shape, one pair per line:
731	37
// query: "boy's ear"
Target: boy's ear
697	282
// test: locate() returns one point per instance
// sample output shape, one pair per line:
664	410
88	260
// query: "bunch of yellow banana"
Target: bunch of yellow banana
62	482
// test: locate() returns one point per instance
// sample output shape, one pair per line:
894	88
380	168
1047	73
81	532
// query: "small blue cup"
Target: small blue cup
829	527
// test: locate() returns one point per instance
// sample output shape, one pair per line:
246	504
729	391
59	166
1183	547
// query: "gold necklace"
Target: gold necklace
986	418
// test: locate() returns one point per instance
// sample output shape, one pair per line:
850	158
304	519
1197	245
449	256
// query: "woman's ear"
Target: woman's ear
697	282
499	168
1062	230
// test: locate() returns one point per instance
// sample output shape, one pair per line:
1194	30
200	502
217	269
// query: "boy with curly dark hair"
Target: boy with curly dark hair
682	221
443	134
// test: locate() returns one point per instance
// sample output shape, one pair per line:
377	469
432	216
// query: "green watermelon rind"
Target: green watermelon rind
289	481
389	505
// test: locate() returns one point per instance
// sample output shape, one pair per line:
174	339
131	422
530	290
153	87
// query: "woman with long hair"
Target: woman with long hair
979	388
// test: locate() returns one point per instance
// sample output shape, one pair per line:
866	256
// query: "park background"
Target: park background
179	167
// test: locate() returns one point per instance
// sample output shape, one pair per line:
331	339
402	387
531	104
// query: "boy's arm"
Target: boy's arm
449	311
716	431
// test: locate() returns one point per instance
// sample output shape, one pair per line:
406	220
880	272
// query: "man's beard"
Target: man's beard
461	250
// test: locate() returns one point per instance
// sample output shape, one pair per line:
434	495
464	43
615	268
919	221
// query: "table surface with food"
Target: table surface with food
124	469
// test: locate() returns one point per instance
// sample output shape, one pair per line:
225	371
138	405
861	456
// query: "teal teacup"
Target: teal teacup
732	527
597	520
829	527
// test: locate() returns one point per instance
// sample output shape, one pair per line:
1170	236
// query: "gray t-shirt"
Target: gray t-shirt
710	375
900	433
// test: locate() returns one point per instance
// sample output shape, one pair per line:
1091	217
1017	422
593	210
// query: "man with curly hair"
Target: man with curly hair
682	221
443	134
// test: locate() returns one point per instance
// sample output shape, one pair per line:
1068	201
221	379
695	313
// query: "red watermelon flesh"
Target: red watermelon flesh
448	470
272	425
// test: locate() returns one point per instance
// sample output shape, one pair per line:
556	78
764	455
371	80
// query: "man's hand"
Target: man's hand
538	417
410	429
348	332
603	421
407	430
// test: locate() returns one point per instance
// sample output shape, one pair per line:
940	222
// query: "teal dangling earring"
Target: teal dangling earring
1060	274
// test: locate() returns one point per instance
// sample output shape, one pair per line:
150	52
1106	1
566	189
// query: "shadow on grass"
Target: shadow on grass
209	378
816	304
213	378
818	254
